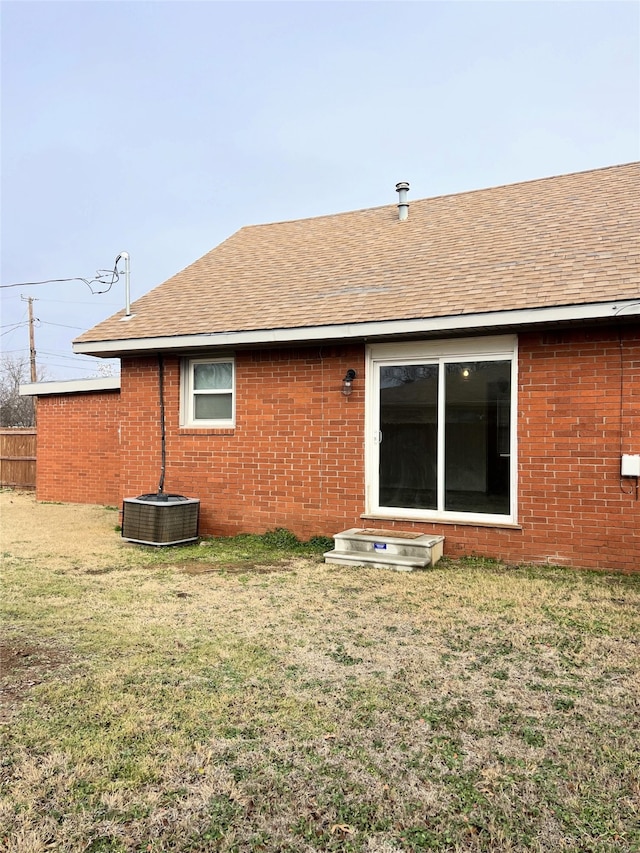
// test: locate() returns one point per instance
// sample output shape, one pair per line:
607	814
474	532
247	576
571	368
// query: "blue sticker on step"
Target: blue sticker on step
379	546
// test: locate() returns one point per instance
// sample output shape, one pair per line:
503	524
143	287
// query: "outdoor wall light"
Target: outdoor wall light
466	371
347	382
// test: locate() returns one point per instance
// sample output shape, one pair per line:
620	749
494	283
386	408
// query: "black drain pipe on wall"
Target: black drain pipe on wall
160	519
163	432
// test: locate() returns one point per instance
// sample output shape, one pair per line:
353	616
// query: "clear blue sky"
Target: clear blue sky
160	128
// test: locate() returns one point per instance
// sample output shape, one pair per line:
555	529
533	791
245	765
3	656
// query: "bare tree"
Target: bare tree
15	411
106	369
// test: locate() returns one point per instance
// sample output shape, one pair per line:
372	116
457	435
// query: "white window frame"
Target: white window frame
188	394
497	348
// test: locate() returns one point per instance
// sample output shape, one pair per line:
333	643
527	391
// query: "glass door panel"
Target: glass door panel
408	436
477	437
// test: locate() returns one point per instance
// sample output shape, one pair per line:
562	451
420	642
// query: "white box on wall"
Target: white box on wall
630	466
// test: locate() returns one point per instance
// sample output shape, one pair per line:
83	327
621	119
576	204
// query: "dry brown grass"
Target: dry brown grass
228	697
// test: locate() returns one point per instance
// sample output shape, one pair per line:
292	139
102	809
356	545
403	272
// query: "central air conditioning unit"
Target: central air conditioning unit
160	519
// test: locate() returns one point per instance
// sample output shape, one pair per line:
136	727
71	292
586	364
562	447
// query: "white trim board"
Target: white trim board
70	386
352	331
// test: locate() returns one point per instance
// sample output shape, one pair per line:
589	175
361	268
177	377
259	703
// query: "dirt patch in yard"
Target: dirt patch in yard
199	567
22	666
59	536
78	534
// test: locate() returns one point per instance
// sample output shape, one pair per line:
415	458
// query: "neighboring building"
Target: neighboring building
495	339
78	440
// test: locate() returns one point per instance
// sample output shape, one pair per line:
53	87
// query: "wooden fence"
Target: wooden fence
18	458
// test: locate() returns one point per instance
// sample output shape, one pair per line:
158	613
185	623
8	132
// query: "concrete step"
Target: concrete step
391	549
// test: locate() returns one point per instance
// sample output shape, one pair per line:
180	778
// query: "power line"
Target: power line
89	359
54	354
83	367
62	325
20	322
64	354
16	326
75	301
88	281
12	326
101	277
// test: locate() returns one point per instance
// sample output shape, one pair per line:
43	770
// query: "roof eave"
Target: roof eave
69	386
527	317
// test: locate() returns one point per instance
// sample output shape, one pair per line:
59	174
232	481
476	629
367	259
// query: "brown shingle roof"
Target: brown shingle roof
557	241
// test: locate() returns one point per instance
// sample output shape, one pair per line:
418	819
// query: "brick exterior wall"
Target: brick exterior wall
78	448
295	458
578	411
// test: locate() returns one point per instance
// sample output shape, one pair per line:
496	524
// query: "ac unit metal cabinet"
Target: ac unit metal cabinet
160	519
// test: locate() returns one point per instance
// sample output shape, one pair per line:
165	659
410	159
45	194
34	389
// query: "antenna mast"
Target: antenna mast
127	282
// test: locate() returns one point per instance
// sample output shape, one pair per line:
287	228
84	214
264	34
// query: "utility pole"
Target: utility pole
32	350
32	343
32	340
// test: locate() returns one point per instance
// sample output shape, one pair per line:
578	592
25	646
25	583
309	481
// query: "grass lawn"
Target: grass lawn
240	695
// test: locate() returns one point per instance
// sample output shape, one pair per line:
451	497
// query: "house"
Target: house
466	365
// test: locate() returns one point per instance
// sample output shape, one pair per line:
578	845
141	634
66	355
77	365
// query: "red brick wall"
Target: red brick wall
296	456
78	450
578	411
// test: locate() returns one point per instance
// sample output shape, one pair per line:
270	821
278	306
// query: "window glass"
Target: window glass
211	376
408	435
477	436
213	407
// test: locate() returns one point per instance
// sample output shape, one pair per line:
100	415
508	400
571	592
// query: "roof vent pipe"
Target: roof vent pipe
403	205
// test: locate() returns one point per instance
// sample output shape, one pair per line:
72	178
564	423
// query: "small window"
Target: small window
208	392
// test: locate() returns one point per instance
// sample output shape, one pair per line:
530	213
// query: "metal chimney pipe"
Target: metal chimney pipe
403	205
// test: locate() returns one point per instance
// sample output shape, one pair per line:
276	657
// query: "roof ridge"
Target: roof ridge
441	196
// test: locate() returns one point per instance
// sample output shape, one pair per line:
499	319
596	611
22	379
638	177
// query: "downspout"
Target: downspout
163	434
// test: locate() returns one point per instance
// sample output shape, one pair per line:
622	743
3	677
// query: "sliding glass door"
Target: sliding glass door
441	440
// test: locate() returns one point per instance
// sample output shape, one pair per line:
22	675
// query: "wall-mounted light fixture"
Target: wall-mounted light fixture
465	371
347	382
